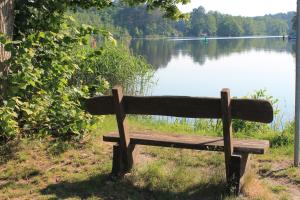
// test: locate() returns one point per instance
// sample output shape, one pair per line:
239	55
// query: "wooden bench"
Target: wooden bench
236	151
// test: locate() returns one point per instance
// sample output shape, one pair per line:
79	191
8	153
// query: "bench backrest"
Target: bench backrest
181	106
223	108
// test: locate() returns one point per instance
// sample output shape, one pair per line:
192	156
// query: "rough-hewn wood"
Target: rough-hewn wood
119	167
237	171
252	110
117	164
126	154
120	116
193	107
235	174
102	105
174	106
226	121
192	142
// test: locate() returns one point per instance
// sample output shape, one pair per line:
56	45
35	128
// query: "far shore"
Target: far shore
209	38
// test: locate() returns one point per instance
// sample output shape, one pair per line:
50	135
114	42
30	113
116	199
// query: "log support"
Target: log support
237	169
122	164
122	153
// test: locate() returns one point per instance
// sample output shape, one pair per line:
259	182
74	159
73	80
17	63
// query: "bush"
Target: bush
286	136
49	75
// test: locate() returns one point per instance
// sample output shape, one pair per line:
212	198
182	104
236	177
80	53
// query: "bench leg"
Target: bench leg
122	161
237	168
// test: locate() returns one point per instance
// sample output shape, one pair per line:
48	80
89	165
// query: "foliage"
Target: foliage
39	95
141	23
49	74
101	20
39	15
286	137
168	6
34	16
52	66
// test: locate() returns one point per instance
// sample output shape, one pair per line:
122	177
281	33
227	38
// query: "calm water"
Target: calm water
194	67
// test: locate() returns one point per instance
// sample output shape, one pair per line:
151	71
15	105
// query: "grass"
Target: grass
50	169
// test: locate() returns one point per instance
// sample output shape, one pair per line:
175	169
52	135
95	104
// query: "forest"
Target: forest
140	22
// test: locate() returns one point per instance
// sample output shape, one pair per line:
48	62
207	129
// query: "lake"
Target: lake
198	67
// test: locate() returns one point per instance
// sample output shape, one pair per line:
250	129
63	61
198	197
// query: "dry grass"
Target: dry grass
255	188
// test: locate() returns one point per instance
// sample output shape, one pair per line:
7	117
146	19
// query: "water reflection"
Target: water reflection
200	68
159	52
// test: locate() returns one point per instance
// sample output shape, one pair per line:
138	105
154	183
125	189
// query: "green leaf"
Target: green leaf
28	112
42	35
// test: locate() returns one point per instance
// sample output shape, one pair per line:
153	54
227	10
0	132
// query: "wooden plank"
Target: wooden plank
234	177
192	142
121	117
117	164
179	106
102	105
252	110
158	105
124	143
227	132
239	165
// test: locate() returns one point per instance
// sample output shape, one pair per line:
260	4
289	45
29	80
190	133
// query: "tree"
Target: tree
211	24
6	27
249	27
229	26
198	22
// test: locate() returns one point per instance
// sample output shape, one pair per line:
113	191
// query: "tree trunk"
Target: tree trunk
6	27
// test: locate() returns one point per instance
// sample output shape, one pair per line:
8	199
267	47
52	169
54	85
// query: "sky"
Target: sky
243	7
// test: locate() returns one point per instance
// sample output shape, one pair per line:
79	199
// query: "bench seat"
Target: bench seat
240	146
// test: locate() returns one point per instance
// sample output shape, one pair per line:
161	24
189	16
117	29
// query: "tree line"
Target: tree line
140	22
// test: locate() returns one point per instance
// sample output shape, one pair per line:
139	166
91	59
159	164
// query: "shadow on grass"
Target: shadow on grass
7	151
102	186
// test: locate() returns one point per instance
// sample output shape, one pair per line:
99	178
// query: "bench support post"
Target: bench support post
227	130
237	169
122	153
235	164
120	166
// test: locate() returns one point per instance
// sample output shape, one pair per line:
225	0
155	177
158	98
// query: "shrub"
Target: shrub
50	72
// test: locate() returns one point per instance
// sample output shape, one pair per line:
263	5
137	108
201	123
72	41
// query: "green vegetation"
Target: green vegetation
45	84
80	170
51	169
55	63
139	22
103	20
